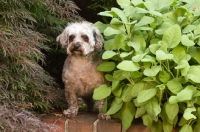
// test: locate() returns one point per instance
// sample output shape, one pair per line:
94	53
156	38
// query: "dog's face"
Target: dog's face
81	38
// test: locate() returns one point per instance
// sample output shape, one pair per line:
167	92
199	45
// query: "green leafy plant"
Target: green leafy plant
152	59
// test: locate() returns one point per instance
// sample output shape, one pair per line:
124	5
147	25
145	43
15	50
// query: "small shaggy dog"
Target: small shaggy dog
83	42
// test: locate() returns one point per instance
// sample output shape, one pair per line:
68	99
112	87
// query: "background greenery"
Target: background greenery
152	59
27	41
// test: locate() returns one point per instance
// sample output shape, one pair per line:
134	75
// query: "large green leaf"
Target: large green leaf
147	120
184	67
111	31
145	95
126	94
128	113
189	28
186	41
116	22
153	108
136	88
145	21
107	13
100	26
123	3
140	112
153	71
138	43
125	54
129	10
115	106
162	4
116	88
108	45
156	126
175	85
164	76
179	54
150	5
163	28
155	13
153	48
188	114
171	111
148	58
120	14
108	54
109	77
119	41
172	36
106	66
194	74
128	66
120	74
187	93
138	57
167	127
195	53
161	55
173	99
101	92
170	18
186	128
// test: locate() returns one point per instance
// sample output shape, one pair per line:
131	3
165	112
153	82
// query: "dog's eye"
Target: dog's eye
71	38
85	38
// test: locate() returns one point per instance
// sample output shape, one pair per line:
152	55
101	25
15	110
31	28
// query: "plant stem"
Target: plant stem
168	70
130	80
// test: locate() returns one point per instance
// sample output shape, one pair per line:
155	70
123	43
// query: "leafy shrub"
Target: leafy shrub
102	4
152	59
26	30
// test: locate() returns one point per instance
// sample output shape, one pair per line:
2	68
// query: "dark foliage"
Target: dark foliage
27	33
90	8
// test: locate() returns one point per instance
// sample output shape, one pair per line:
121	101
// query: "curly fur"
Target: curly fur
83	42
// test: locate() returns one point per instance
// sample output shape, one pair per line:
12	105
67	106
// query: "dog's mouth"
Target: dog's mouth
76	51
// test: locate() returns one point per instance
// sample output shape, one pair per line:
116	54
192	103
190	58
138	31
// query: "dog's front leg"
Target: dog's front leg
72	105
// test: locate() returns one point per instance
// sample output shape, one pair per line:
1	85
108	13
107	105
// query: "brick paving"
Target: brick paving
88	122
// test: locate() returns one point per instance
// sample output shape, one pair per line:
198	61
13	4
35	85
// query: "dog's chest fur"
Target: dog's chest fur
80	75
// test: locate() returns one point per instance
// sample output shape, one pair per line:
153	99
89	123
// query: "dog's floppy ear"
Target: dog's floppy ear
63	39
99	40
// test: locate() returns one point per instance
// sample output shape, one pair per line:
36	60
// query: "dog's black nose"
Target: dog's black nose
76	46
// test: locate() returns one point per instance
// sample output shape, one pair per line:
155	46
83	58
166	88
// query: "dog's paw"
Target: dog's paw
102	116
69	113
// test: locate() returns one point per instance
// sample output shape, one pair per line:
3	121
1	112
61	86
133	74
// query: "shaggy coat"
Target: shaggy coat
83	42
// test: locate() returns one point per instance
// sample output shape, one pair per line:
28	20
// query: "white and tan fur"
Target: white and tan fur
83	42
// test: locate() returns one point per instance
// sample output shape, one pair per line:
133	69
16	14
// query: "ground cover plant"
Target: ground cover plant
152	59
